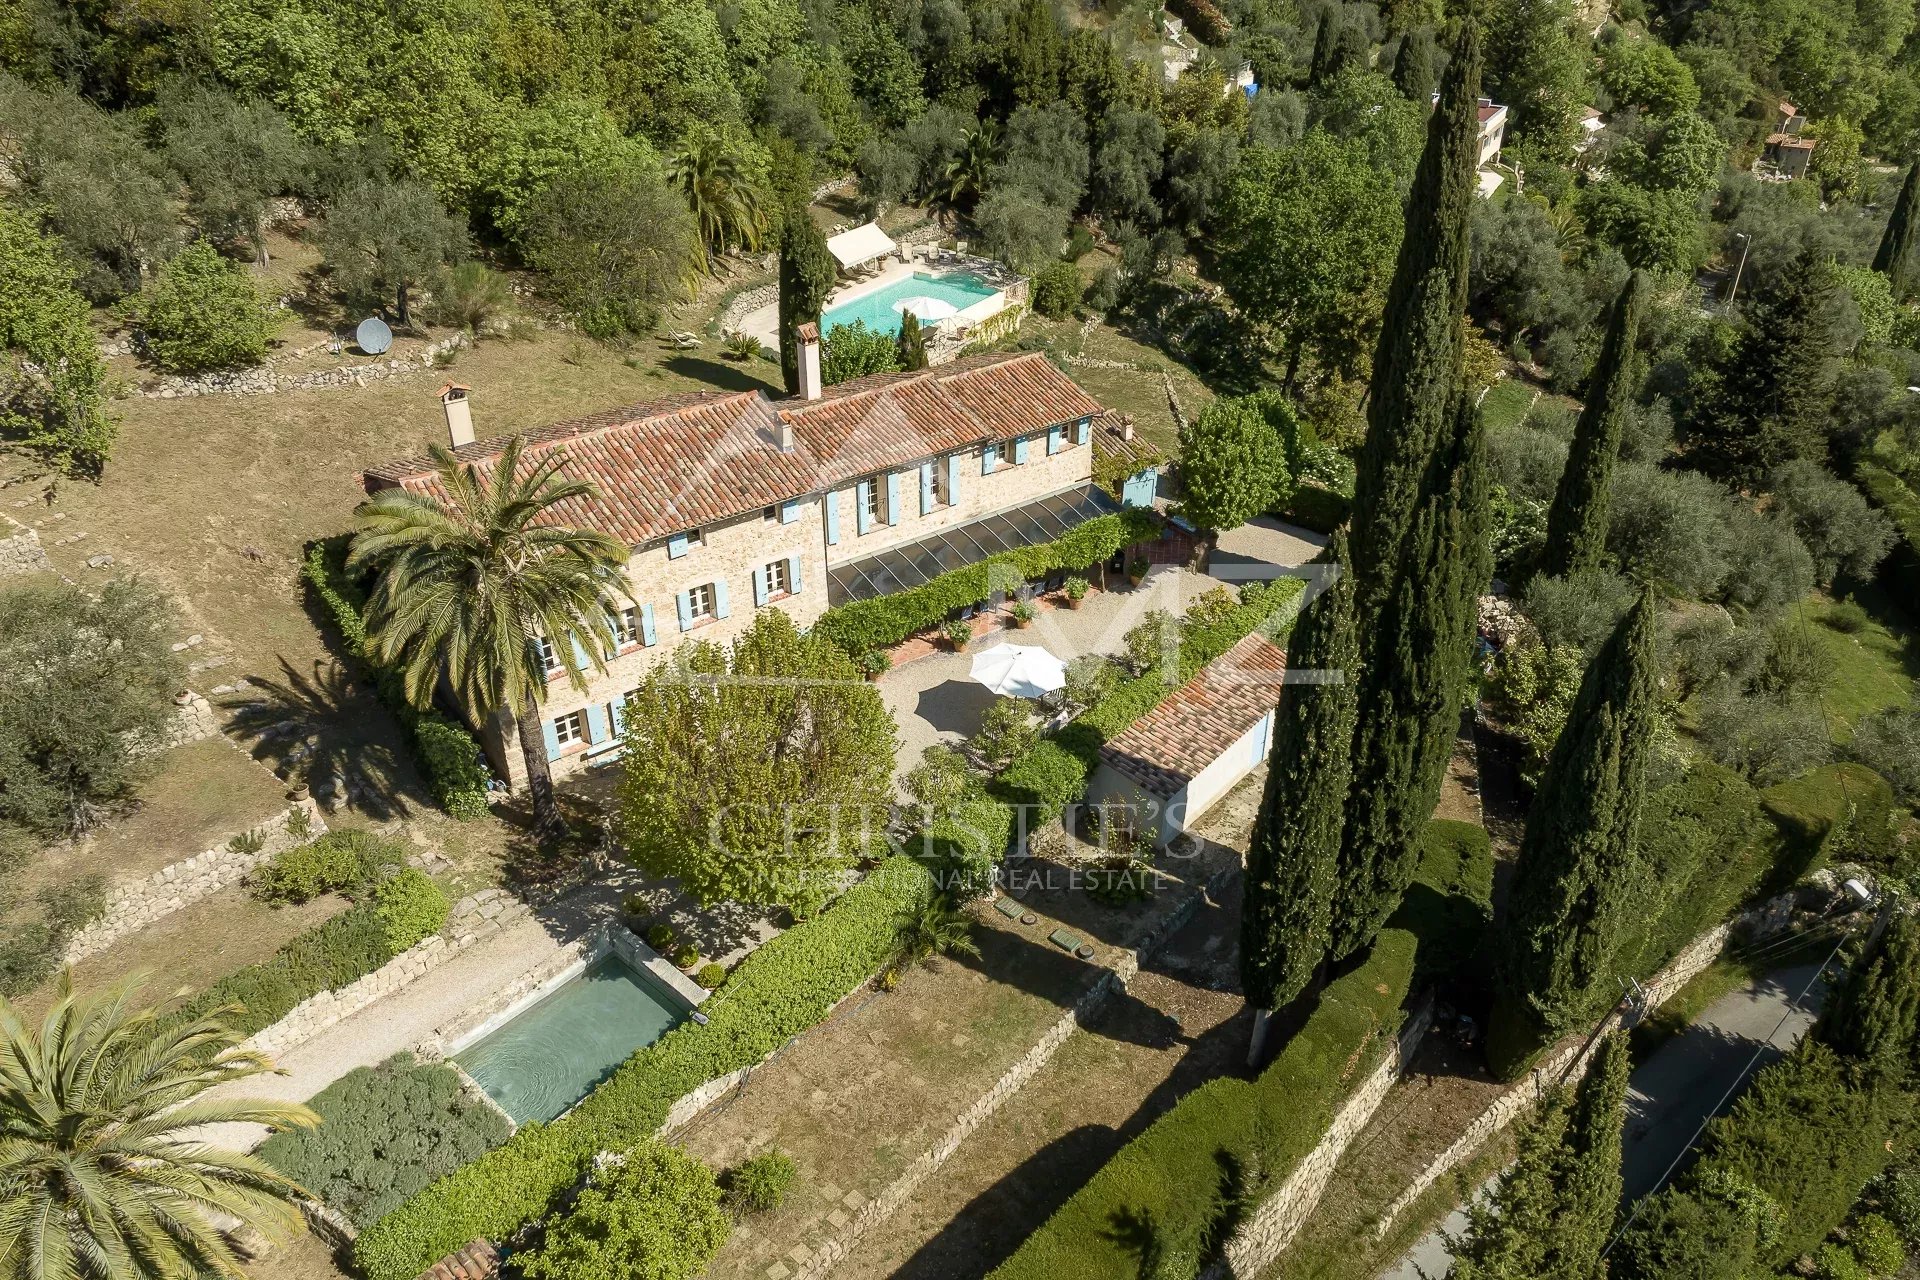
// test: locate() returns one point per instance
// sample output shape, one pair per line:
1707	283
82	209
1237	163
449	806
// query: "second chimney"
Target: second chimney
453	399
807	338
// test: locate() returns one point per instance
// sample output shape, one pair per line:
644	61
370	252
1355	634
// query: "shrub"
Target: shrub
1006	730
1846	617
1450	903
410	908
1765	739
202	312
338	862
1046	777
651	1213
1080	243
1897	1192
34	944
777	992
849	351
1057	290
1579	610
1877	1245
1023	611
385	1133
1901	568
1841	532
661	938
1313	507
1151	640
686	955
1888	742
1531	690
1706	847
1076	587
711	975
299	822
470	295
1090	677
760	1184
958	633
1204	19
874	662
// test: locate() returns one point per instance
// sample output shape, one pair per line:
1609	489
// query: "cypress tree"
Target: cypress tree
1577	521
1508	1231
912	343
807	272
1419	547
1293	860
1573	884
1874	1014
1326	46
1588	1180
1413	65
1899	253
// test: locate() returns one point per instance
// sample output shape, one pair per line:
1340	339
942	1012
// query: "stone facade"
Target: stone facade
135	906
20	549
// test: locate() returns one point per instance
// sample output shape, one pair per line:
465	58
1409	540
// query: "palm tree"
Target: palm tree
967	172
473	585
936	927
102	1176
722	197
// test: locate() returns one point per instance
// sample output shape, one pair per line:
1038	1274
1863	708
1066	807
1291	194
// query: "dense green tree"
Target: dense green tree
1842	532
1045	152
1873	1014
1644	72
807	273
106	1173
383	240
1575	876
1326	46
652	1213
1413	73
1293	860
1128	152
1588	1177
470	587
202	312
1535	66
1577	521
1420	551
53	396
850	351
1233	465
1771	401
1509	1232
762	789
910	351
235	156
617	245
1898	256
1034	57
87	698
1020	229
725	204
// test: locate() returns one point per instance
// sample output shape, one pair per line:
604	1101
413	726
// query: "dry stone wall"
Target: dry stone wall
20	549
137	905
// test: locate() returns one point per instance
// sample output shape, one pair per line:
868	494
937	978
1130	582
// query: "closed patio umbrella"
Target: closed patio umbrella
1019	670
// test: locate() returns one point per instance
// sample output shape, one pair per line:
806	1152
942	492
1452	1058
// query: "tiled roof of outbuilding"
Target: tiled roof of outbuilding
1167	748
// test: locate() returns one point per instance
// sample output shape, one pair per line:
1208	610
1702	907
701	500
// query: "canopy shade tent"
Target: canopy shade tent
1019	670
862	244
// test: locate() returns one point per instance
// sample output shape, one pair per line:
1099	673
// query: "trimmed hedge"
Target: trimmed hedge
329	956
1315	508
385	1133
448	755
864	625
1901	569
1177	1179
773	995
1837	813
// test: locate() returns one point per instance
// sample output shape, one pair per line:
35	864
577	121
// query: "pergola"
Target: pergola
862	244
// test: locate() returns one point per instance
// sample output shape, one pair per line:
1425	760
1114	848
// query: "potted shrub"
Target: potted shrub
661	937
687	957
1076	591
1137	571
711	975
874	663
958	633
1023	613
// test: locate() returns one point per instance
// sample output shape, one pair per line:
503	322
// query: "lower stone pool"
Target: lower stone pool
553	1053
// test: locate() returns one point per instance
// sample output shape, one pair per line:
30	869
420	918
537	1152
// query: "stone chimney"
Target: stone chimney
806	338
1126	427
453	399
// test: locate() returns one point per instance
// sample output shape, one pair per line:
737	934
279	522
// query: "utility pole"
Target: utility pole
1746	243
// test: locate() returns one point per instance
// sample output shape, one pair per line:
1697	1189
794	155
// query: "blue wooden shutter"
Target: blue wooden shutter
686	610
548	732
617	711
986	459
926	488
793	574
720	598
648	635
596	723
1082	430
1056	439
953	479
1019	450
893	497
832	508
790	511
861	520
759	587
676	546
580	653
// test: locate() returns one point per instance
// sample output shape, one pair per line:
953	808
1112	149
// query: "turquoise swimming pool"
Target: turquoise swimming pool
881	308
554	1053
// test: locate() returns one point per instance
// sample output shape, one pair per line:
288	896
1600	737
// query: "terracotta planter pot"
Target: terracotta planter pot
1021	624
1074	602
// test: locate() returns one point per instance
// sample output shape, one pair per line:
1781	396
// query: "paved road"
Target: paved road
1674	1090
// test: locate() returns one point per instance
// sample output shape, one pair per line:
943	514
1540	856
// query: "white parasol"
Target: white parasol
1019	670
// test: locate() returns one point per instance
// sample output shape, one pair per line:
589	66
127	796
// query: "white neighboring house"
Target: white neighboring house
733	502
1493	136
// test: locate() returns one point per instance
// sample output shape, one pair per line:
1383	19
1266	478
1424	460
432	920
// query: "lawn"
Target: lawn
1138	388
1870	669
1507	402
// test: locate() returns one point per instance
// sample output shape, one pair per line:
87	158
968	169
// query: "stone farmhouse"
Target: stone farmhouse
734	502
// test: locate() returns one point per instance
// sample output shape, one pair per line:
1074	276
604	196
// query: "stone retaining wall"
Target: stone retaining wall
263	380
20	549
135	906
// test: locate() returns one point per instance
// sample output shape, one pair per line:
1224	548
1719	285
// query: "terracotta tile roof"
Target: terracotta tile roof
1110	440
707	456
478	1261
1167	748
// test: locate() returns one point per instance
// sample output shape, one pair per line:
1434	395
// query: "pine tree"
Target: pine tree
912	342
807	272
1899	253
1419	525
1588	1180
1575	878
1874	1014
1294	857
1413	65
1577	521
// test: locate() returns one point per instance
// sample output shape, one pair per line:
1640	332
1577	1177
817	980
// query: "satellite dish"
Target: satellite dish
373	336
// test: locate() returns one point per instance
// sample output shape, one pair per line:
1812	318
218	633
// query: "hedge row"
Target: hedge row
1315	508
448	755
400	911
779	991
863	625
1837	813
1901	569
1231	1141
1053	773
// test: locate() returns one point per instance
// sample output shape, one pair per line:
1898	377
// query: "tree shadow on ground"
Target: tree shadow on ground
310	728
723	374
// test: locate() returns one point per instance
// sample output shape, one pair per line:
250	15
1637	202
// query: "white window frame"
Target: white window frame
570	728
702	600
774	574
626	626
876	502
942	497
549	655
